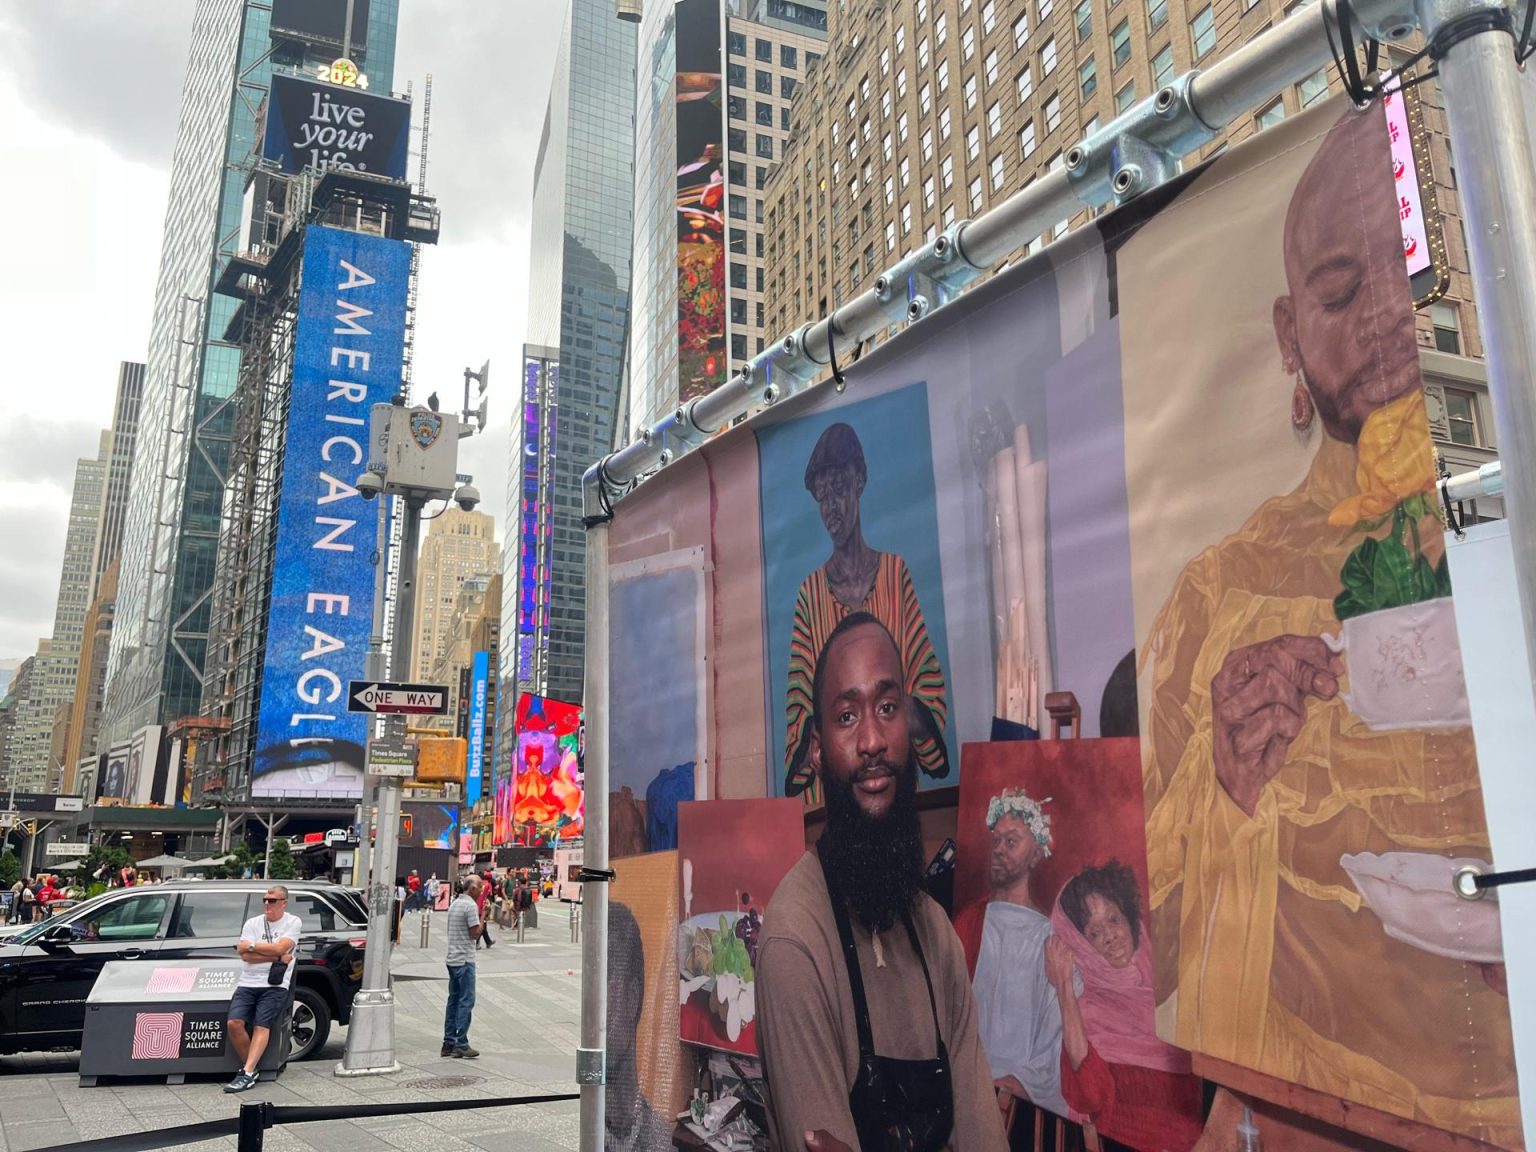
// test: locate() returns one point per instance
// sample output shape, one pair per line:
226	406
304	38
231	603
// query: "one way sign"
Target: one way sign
397	699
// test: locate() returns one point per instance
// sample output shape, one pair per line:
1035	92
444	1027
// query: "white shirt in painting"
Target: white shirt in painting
1016	1007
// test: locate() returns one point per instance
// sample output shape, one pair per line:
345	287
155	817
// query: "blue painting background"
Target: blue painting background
897	513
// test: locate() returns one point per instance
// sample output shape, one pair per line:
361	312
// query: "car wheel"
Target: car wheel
310	1024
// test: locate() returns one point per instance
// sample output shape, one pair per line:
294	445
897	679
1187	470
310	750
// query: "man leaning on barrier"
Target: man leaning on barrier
261	998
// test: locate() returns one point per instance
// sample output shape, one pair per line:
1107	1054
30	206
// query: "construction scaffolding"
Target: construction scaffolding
268	279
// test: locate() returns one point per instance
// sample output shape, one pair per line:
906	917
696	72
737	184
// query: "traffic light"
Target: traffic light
440	759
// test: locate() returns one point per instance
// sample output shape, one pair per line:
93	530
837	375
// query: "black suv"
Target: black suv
47	970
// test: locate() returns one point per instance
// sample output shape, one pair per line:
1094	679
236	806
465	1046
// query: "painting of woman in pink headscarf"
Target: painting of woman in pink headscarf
1115	1072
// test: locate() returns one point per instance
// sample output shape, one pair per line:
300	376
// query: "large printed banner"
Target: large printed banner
347	354
1167	488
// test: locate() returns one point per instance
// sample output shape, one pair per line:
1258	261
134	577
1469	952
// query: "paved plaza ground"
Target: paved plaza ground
526	1020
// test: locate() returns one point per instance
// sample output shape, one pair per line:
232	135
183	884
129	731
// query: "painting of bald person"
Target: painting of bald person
866	1021
1304	722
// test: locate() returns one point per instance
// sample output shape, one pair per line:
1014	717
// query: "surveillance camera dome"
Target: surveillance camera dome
467	497
370	485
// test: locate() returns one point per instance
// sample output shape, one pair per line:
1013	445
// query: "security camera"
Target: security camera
467	497
370	485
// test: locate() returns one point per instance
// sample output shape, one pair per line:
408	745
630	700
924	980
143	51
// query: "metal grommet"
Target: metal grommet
1464	882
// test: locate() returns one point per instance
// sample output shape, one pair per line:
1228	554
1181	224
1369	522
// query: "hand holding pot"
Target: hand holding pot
1258	705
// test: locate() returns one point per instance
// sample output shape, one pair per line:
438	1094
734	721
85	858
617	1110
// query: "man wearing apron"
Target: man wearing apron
865	1015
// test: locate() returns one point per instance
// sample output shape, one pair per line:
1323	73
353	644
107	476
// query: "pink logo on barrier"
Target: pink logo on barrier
157	1035
166	981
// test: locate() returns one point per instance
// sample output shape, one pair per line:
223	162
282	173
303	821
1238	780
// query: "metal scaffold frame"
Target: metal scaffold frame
1474	44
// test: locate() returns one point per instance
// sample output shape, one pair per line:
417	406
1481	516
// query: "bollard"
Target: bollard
521	919
426	928
575	923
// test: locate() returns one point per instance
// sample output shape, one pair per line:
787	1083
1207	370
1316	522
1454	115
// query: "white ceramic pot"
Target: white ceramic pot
1405	667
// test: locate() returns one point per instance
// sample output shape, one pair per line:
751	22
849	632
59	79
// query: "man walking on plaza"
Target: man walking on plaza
261	997
463	930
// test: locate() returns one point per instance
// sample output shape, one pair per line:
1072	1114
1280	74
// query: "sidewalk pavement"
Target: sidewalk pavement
526	1024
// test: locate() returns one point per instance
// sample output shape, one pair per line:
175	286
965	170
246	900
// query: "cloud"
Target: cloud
111	69
491	66
34	451
29	576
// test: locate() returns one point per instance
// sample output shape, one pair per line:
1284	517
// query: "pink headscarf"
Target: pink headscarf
1118	1004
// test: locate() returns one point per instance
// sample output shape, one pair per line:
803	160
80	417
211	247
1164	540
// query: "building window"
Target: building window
994	119
765	113
736	43
1120	42
940	29
989	16
1162	66
944	124
784	118
865	131
1314	88
764	82
970	93
967	44
1461	416
765	51
1027	141
739	345
738	207
765	146
1125	97
1447	327
1052	114
1090	128
901	38
901	127
991	67
928	194
738	139
925	99
737	106
736	75
1021	30
1202	30
927	143
885	61
906	218
905	171
869	258
922	52
1046	7
885	102
1157	14
738	173
1271	115
922	9
738	310
941	75
947	172
973	143
890	235
1025	83
1048	57
997	171
788	56
887	149
949	215
811	59
1088	77
975	195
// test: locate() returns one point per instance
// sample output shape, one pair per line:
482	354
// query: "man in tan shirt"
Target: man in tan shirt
808	1031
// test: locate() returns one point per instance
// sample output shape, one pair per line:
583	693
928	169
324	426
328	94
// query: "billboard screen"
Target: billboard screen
535	526
311	124
701	360
347	357
547	773
429	824
479	680
322	20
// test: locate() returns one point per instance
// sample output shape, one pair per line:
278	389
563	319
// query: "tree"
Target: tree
283	865
10	869
115	858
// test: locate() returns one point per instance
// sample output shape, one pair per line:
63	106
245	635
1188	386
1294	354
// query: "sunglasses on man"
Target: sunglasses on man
273	900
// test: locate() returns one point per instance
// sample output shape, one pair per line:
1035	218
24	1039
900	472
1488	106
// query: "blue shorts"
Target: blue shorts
259	1007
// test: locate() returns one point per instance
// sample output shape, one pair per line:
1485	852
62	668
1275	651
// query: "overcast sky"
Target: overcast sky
89	97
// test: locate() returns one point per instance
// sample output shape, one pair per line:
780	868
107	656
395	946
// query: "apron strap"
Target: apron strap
855	976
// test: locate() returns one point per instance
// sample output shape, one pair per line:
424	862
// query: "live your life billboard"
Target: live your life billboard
312	124
1172	479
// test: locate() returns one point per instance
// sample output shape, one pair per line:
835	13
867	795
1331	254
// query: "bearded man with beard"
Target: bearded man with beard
866	1020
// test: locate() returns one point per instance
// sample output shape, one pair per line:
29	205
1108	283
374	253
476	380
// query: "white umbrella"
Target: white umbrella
164	863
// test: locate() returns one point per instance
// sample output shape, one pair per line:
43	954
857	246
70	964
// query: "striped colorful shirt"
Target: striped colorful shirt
892	601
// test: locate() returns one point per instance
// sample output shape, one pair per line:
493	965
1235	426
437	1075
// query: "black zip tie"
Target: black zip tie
596	876
837	373
1343	51
1452	521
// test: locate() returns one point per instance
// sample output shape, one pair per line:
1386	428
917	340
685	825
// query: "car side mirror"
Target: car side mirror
55	935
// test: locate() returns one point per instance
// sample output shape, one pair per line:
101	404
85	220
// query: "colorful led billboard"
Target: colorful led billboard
312	124
479	681
535	527
547	774
701	362
347	357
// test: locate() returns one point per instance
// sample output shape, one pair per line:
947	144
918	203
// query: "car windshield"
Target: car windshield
76	914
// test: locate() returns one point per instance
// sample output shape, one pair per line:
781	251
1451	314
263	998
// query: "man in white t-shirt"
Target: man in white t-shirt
261	998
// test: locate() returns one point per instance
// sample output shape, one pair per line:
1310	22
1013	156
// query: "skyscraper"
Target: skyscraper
170	540
53	676
114	497
583	195
699	245
460	547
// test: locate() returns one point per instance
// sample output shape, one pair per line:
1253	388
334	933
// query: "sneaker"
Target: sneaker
465	1053
243	1082
446	1052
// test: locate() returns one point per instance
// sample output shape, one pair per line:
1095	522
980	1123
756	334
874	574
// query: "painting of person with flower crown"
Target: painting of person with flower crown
1306	734
1051	886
